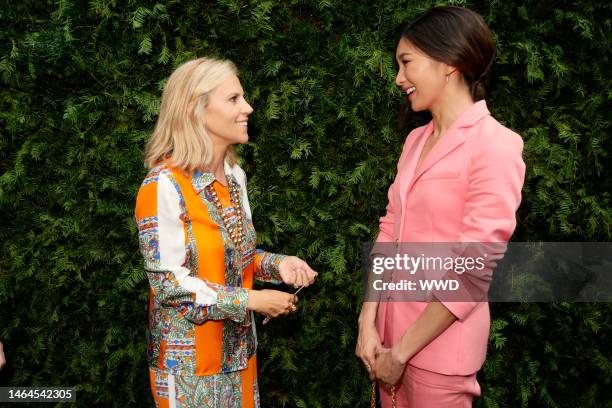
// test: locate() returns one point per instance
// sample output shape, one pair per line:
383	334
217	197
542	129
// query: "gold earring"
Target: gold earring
447	77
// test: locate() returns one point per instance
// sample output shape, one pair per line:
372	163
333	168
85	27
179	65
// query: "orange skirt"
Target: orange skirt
237	389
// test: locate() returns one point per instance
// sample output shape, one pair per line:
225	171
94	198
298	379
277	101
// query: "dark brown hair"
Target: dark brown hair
458	37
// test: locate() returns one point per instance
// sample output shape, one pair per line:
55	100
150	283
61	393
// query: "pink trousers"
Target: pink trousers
425	389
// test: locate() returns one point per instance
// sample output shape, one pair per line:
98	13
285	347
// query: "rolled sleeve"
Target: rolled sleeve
267	266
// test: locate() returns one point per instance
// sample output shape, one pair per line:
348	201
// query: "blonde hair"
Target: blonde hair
180	135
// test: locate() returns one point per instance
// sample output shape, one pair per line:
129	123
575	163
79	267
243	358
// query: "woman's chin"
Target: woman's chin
417	107
242	139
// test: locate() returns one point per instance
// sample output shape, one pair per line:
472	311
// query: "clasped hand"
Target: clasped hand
273	303
381	363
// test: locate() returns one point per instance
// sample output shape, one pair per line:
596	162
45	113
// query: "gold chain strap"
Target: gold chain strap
373	398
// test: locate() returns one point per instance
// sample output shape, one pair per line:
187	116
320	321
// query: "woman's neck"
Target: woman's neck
217	165
447	110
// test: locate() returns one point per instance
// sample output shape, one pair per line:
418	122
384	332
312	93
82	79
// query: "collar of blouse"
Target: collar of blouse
200	180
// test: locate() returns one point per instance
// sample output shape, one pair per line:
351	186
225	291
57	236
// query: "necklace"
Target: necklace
234	230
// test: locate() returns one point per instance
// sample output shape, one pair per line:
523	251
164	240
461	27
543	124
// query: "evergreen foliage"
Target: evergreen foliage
80	86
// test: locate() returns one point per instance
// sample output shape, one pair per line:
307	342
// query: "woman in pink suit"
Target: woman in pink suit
459	180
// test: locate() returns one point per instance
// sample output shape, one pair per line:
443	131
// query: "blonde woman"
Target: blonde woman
198	244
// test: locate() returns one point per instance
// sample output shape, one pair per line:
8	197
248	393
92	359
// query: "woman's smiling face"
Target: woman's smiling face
227	113
420	76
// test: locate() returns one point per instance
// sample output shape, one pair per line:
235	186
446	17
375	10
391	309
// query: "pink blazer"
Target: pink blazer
467	189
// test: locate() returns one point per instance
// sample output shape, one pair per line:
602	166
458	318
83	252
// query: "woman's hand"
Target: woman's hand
296	272
368	347
271	303
388	367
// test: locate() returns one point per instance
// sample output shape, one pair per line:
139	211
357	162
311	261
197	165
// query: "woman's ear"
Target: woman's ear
195	109
191	109
450	70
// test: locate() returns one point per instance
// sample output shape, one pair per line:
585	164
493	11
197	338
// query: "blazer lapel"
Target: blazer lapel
449	142
412	156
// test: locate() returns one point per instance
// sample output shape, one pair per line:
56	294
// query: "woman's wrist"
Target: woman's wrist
367	317
406	347
399	353
367	324
252	302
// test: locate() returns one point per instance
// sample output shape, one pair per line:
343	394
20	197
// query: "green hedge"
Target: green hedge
80	90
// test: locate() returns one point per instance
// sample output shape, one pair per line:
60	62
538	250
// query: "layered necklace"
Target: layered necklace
235	229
